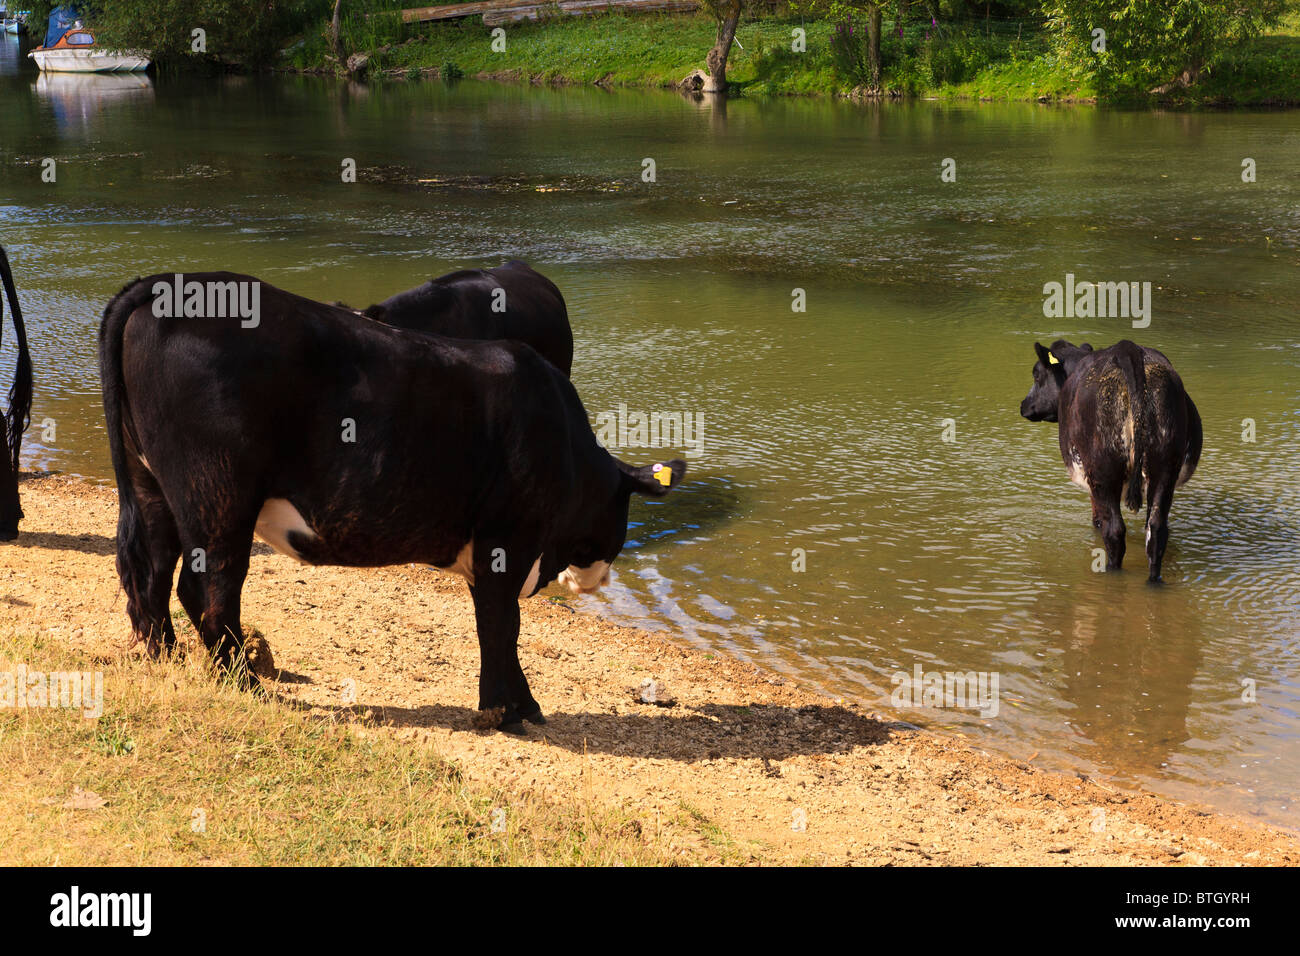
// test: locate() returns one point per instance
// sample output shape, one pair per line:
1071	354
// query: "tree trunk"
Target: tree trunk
1183	80
873	47
336	40
716	61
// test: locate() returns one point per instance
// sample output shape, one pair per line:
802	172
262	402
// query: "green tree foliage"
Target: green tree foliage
925	43
857	55
236	31
1154	44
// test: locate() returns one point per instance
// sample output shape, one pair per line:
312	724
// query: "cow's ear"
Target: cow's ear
1044	355
376	312
654	480
1086	347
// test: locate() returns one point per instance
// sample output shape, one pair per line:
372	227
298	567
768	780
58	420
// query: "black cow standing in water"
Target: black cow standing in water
1127	428
15	422
512	301
340	440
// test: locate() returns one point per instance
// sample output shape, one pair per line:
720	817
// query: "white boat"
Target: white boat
88	61
77	52
13	24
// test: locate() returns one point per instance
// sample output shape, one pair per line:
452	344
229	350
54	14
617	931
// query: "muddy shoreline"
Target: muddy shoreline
788	775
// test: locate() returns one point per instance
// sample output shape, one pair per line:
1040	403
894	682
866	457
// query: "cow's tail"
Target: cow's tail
1195	436
19	415
1132	363
134	564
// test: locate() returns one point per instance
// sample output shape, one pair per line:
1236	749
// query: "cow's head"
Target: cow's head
596	546
1053	367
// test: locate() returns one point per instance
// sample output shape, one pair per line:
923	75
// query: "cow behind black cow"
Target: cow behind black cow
18	417
1128	428
512	301
472	456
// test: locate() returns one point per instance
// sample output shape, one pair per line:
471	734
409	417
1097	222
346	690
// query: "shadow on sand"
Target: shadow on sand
684	734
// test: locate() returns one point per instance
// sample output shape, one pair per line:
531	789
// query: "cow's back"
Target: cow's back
513	301
1102	421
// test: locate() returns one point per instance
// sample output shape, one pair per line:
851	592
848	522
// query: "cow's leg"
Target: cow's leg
164	549
210	586
189	588
10	509
1159	499
1107	518
501	682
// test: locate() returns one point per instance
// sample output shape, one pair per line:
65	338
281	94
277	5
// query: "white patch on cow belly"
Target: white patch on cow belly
1076	472
464	564
531	584
274	522
585	580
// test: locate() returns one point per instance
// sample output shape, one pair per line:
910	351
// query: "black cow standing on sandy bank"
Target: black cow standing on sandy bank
340	440
512	301
1127	428
15	422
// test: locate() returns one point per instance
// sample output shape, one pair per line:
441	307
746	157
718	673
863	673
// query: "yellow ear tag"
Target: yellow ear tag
1052	359
664	474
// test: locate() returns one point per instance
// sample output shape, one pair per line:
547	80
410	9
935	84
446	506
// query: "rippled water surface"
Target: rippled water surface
821	430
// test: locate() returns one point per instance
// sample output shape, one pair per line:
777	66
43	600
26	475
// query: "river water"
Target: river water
871	439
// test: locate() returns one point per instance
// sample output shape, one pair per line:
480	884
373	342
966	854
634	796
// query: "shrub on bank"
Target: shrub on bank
246	33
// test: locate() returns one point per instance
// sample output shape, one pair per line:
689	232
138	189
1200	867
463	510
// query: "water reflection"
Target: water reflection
1127	668
80	102
13	51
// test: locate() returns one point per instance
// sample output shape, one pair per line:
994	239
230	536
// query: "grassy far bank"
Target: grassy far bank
997	60
644	50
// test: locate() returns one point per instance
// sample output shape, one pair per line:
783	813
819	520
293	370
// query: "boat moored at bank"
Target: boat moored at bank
70	47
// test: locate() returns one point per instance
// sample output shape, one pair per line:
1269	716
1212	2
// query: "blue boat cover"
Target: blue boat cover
61	21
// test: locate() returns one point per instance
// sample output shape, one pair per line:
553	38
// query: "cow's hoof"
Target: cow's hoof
515	727
8	534
1155	579
536	717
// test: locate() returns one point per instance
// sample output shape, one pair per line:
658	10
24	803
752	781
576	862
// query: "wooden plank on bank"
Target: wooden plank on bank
454	11
496	12
581	8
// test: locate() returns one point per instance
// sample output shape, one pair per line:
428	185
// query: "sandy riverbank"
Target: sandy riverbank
750	751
